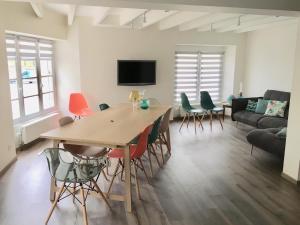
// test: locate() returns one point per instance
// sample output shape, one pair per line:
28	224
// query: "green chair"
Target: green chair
191	111
207	104
76	174
103	106
152	143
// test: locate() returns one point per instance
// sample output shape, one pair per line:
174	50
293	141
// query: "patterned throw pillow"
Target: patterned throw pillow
251	106
276	108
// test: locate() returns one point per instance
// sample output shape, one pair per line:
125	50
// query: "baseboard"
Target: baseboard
290	179
3	171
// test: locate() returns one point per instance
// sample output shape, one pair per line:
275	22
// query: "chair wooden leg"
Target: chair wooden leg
150	161
188	120
101	193
219	118
210	121
84	214
166	143
113	178
155	155
200	121
195	125
143	169
161	150
182	122
55	202
74	189
122	171
251	149
106	178
137	186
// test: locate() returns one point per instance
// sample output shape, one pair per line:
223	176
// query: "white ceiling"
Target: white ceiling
165	19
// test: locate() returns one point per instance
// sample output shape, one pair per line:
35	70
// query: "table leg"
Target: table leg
128	202
53	181
169	139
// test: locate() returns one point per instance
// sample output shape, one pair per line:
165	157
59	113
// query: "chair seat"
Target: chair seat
217	109
199	111
118	153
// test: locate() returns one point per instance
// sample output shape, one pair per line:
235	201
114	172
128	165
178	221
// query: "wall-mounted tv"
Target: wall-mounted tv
136	72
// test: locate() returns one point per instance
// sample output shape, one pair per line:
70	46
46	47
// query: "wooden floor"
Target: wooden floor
210	179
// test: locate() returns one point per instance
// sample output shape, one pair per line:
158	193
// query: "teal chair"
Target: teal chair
103	106
74	170
191	111
207	104
152	143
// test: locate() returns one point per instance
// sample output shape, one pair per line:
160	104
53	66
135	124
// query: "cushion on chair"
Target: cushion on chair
249	118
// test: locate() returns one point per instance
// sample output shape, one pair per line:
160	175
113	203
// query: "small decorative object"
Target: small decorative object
134	97
144	103
229	99
241	90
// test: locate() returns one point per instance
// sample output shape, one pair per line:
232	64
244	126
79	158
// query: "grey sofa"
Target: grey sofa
267	140
259	120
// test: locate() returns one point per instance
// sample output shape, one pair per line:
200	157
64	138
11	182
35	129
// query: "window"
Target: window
197	71
31	77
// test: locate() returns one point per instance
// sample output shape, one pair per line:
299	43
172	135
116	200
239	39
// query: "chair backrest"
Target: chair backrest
142	144
206	101
155	131
103	106
65	167
164	125
65	121
77	103
185	103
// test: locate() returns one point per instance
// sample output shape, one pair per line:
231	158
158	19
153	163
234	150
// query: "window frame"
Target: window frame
196	99
37	57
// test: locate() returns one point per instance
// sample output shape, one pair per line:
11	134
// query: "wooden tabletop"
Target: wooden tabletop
116	126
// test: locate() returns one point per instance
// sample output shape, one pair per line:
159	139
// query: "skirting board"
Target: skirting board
290	179
2	172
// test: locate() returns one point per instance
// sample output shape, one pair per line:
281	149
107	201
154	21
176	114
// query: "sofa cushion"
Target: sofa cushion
261	106
250	118
267	140
276	108
279	96
282	133
269	122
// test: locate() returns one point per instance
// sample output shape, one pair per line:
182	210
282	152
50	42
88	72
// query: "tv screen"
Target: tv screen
136	72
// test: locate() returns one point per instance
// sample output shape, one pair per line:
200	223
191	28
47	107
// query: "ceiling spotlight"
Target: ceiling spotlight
211	27
239	21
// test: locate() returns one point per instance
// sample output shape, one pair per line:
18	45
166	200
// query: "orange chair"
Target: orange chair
78	105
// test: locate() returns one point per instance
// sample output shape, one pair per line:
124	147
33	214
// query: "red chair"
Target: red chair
136	152
78	105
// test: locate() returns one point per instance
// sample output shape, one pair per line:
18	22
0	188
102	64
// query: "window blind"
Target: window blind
197	71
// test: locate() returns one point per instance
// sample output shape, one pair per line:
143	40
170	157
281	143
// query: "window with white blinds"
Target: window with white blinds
31	76
195	72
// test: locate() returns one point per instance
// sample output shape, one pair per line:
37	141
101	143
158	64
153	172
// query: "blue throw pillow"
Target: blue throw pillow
251	106
261	106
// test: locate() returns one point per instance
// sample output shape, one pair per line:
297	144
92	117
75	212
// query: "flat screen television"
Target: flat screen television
136	72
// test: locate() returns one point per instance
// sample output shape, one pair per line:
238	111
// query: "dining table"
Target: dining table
115	127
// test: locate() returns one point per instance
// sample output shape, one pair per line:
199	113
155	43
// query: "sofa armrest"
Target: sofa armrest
239	104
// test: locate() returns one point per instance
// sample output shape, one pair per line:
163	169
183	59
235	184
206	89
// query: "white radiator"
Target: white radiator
31	131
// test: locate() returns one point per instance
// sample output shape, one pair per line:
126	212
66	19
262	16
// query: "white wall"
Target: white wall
292	150
20	18
67	68
100	48
270	60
